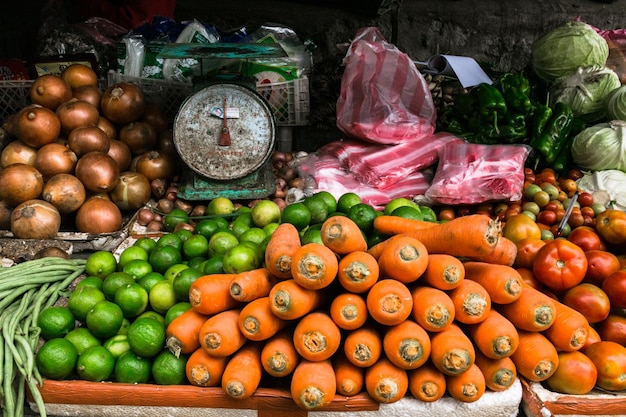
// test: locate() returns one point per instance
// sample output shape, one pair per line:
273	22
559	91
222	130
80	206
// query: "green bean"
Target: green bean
21	396
1	358
34	391
35	265
9	400
19	292
27	353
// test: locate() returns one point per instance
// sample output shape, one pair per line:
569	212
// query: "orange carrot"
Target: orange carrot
220	334
280	248
404	259
533	311
249	285
204	370
350	378
389	302
407	345
499	374
471	301
504	253
443	272
289	300
502	282
257	322
182	332
342	235
210	294
243	372
452	352
468	386
569	330
363	346
314	266
464	236
394	225
495	337
377	249
278	356
427	383
536	358
313	384
358	271
348	311
316	337
433	309
385	382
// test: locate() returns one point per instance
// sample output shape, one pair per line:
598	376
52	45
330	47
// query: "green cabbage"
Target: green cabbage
601	147
616	104
566	48
586	91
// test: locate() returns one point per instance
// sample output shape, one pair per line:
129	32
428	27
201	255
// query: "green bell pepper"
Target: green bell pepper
515	89
556	133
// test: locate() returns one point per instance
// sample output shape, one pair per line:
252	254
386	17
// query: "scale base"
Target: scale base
258	184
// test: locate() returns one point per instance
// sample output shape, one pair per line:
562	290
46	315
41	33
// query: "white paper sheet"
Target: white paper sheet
466	69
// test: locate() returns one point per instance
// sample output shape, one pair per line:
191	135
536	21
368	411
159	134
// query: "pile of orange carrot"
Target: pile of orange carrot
436	309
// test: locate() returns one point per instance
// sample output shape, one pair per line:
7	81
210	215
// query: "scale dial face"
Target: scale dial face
230	147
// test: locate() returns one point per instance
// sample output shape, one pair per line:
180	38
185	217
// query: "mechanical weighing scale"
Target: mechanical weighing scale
225	131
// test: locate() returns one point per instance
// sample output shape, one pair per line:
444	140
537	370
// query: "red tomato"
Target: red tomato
547	217
600	265
560	265
586	238
611	226
585	199
610	360
576	374
615	287
590	300
527	248
613	328
520	226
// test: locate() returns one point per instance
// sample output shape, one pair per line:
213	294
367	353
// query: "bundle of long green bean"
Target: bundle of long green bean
25	290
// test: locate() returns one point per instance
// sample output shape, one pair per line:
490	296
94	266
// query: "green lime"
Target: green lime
241	258
82	339
213	265
408	212
253	234
132	299
153	315
174	270
117	345
311	235
162	296
114	281
196	245
182	282
175	216
347	200
91	281
131	253
242	209
265	212
244	218
331	201
167	369
132	369
259	249
55	322
100	264
398	202
148	280
146	337
270	228
95	364
224	223
297	214
163	257
137	268
318	208
363	215
83	299
220	242
171	239
147	243
124	329
206	227
195	262
175	311
104	319
428	214
375	237
220	205
56	358
183	233
238	228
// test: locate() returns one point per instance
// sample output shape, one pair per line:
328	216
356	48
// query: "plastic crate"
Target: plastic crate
14	95
288	100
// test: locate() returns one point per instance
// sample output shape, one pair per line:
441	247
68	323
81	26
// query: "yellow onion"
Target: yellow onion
35	219
98	215
65	192
20	182
132	191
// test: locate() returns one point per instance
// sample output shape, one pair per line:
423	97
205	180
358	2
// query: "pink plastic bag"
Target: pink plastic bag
383	98
472	173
